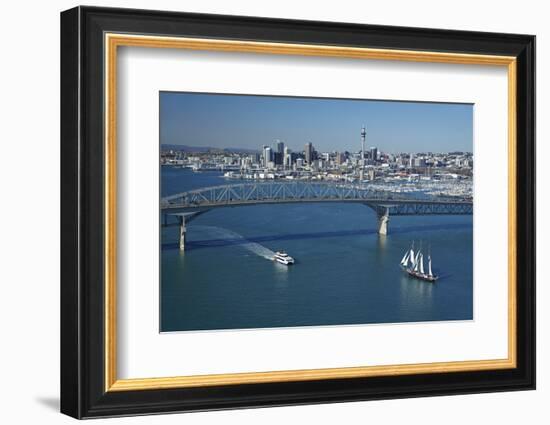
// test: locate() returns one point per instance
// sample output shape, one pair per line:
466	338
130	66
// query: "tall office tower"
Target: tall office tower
278	158
280	147
373	153
268	155
287	158
411	160
254	158
308	151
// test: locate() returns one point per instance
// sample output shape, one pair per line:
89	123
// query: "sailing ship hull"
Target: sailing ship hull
416	268
421	276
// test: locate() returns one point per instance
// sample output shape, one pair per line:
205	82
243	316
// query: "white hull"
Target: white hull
283	258
285	262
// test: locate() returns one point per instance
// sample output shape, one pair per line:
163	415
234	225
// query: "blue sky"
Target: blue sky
244	121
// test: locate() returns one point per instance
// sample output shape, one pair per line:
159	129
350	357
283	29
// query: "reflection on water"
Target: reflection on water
416	293
281	274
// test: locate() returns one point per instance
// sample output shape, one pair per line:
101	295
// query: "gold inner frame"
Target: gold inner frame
113	41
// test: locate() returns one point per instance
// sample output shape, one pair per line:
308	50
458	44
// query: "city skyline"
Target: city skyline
251	121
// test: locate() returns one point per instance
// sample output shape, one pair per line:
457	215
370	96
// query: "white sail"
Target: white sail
411	257
430	266
405	259
416	262
421	264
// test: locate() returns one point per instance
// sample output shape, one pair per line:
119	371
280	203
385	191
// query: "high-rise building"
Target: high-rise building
277	158
373	153
308	151
420	162
268	155
280	147
287	161
372	174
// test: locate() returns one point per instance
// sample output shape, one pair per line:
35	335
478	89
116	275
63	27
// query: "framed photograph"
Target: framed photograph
261	212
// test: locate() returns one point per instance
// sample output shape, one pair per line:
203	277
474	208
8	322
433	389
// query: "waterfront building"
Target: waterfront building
372	173
246	163
320	163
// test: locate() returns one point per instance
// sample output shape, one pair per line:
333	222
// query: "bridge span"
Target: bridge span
188	205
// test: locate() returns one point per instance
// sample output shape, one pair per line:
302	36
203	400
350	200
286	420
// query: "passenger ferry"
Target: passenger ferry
413	264
283	258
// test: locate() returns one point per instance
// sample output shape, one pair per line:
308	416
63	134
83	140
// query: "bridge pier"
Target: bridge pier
182	233
383	219
183	219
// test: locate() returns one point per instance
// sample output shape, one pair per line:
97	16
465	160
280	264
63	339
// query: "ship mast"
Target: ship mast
411	256
429	262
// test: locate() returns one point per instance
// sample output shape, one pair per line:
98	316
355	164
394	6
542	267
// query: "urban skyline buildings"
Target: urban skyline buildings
328	123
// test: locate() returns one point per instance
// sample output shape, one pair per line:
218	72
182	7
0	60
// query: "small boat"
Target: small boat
412	263
283	258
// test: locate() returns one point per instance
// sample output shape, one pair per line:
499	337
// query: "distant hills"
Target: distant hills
197	149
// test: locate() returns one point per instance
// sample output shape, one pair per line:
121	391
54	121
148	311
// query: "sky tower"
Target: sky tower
362	160
363	137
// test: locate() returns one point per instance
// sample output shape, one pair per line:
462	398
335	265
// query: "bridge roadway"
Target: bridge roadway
188	205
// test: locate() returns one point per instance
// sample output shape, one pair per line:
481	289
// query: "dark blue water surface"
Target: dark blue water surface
344	273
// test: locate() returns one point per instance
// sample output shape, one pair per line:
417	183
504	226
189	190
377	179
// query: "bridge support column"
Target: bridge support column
182	233
383	219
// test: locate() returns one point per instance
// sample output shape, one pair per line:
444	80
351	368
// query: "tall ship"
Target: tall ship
412	263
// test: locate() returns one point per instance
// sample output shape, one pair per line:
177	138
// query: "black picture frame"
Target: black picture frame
83	392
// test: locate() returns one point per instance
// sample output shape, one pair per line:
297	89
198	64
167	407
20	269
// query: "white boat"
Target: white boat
283	258
413	264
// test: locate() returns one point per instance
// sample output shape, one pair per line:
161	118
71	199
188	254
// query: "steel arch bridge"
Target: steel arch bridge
188	205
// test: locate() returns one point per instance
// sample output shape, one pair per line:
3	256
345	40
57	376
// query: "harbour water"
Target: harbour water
345	273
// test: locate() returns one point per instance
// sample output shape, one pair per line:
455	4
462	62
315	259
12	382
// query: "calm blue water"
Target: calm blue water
344	272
